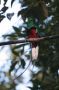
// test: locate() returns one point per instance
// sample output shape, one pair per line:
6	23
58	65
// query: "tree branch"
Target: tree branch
29	40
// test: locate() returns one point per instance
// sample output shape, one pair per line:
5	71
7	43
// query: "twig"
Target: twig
23	71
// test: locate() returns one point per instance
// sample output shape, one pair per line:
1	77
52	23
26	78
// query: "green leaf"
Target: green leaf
17	30
13	66
23	11
15	52
1	17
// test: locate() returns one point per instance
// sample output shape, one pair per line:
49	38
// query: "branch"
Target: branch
29	40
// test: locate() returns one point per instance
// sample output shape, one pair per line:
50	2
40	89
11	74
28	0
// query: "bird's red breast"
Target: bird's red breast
33	34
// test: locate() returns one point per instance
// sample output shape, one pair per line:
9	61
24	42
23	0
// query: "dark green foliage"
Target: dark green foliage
1	17
13	66
50	83
12	36
48	49
17	30
34	8
22	63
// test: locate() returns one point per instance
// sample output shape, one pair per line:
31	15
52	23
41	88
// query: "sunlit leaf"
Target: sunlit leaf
15	52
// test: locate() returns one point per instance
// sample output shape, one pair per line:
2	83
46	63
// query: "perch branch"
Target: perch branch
29	40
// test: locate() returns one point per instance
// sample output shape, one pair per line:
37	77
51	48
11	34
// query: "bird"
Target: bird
32	33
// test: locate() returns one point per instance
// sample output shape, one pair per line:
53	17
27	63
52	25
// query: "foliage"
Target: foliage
34	13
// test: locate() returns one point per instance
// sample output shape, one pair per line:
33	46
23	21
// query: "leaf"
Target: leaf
19	33
5	1
22	63
12	36
15	52
12	2
10	15
17	30
4	9
9	35
23	11
13	66
1	17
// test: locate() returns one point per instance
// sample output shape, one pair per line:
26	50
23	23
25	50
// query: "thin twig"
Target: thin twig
23	71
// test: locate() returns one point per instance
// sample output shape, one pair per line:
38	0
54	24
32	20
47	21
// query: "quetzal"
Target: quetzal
32	33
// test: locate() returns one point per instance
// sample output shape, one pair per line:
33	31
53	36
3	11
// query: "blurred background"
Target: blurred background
17	71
